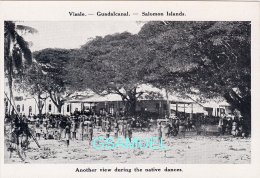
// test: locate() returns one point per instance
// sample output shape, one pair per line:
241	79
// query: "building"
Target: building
161	106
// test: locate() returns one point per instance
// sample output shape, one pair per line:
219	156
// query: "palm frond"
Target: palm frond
24	46
9	30
26	29
17	58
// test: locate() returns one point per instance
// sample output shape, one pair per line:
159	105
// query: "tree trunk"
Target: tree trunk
131	103
59	107
10	83
57	101
168	103
131	106
243	105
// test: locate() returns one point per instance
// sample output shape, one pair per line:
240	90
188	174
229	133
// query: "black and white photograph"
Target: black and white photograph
127	92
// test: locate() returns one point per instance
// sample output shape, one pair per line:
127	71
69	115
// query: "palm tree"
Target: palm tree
17	54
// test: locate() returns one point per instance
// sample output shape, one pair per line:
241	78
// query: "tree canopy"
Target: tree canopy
218	54
53	64
209	59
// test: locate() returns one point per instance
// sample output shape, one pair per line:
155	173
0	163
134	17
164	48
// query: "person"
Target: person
159	131
90	131
67	134
129	131
188	125
103	124
38	130
149	125
220	125
198	125
19	137
116	129
229	126
120	127
86	121
74	130
174	127
224	126
81	128
234	131
56	135
25	133
45	130
62	125
124	129
108	129
240	131
182	127
168	129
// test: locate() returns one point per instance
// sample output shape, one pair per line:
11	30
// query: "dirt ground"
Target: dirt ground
192	149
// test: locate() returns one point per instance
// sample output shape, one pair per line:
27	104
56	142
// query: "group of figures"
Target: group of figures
82	127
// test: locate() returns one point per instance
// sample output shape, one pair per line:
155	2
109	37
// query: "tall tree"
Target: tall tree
112	64
17	54
34	82
53	62
219	55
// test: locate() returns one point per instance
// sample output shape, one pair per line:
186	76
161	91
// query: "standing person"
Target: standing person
159	131
45	130
182	128
129	131
120	123
149	125
198	125
234	130
38	130
108	129
168	129
224	127
86	121
81	127
25	132
177	124
124	129
90	130
67	134
103	124
116	129
220	125
229	126
62	125
74	130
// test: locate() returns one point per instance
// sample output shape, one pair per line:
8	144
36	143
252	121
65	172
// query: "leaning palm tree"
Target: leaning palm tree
17	54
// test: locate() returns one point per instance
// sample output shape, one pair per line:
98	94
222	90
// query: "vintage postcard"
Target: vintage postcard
130	89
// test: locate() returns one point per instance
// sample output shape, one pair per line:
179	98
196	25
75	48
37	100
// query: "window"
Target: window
30	109
49	107
157	105
18	108
68	108
23	107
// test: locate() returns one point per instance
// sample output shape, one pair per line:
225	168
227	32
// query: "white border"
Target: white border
196	11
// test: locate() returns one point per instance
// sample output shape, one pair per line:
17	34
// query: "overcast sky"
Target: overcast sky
74	34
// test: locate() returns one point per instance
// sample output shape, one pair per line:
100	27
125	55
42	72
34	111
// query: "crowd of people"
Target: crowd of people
81	126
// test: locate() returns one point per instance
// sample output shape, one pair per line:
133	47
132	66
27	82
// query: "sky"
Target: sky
69	34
